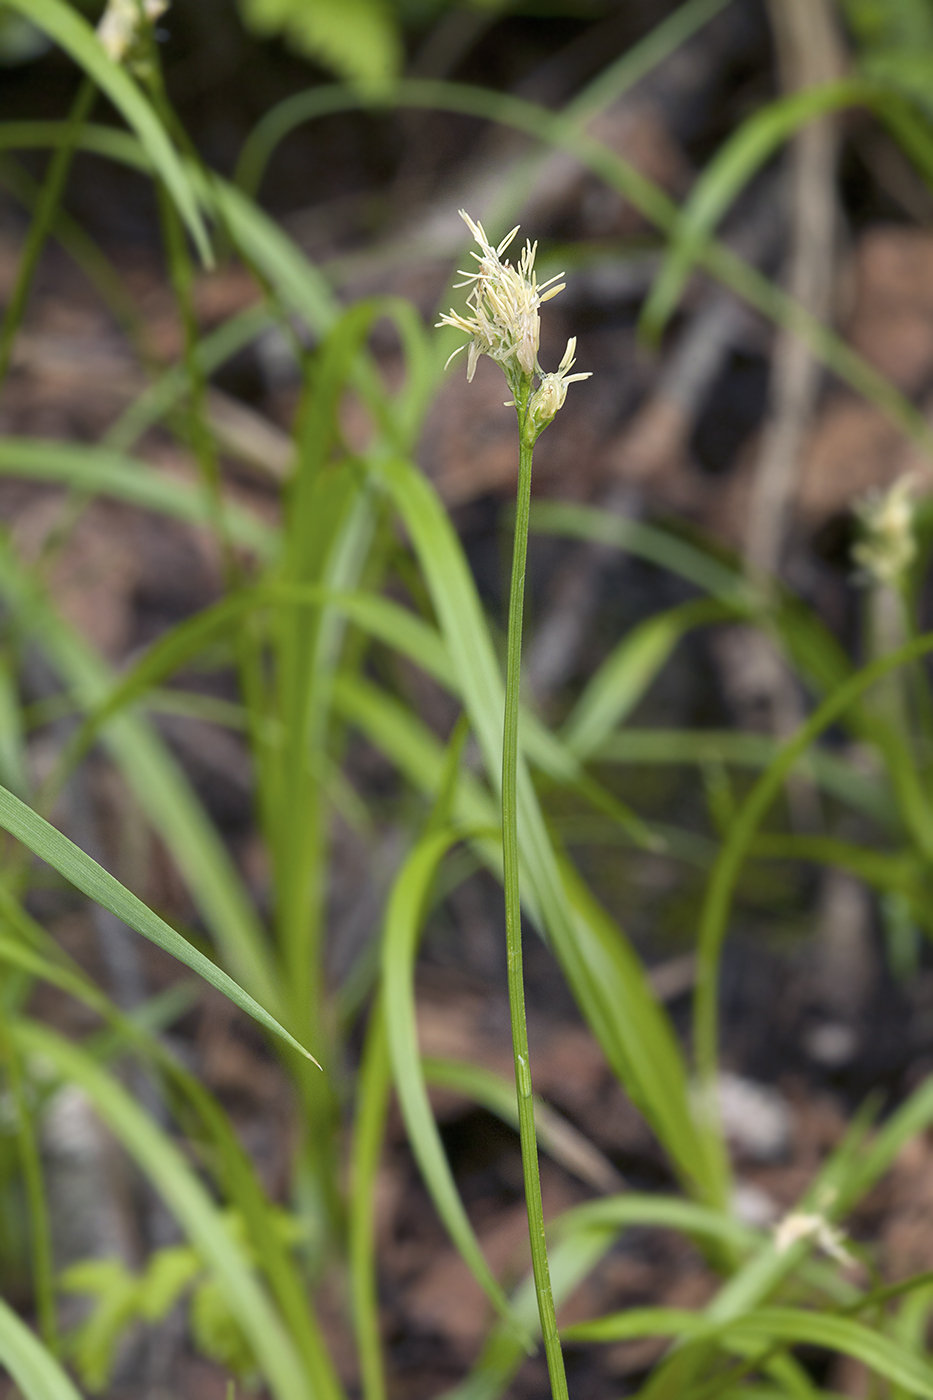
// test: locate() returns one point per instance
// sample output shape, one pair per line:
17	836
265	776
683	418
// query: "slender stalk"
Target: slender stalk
513	915
373	1093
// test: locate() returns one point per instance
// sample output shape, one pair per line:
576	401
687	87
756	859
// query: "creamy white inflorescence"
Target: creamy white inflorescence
887	547
801	1225
119	29
505	324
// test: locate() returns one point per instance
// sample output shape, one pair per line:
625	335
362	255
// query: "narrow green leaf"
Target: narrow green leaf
602	969
373	1086
702	746
160	786
164	1165
357	39
766	1327
556	1135
637	1322
576	520
908	1121
100	471
32	1368
886	870
727	174
68	29
633	1208
98	884
717	903
910	1326
624	677
795	1327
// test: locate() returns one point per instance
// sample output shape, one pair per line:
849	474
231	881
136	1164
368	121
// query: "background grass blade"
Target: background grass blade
868	795
372	1105
637	1322
159	785
796	1327
766	1327
715	912
98	884
576	520
571	1260
166	1168
74	34
727	174
101	471
33	1369
39	956
556	1135
605	974
403	926
627	672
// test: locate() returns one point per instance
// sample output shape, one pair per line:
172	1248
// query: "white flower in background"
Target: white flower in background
800	1225
504	323
887	547
120	28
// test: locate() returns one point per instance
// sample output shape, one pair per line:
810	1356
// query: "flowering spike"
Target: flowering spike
504	324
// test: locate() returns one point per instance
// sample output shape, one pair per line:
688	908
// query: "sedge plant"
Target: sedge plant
300	618
505	325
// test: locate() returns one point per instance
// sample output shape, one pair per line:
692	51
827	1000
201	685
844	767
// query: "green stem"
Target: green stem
513	918
373	1094
42	222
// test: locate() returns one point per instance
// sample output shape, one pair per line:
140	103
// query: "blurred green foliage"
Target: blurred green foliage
19	40
121	1298
358	39
895	40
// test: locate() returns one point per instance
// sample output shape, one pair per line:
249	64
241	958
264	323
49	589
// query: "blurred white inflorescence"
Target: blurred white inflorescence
887	546
120	28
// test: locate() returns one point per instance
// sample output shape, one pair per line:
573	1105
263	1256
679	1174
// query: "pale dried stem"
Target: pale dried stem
809	54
